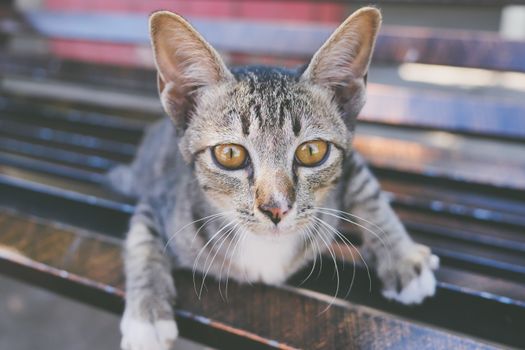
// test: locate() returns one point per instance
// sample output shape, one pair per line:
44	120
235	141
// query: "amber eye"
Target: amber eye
230	156
311	153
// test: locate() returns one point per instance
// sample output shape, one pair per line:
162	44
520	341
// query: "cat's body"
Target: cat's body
252	181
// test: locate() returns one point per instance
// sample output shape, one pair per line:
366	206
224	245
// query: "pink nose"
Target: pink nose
274	213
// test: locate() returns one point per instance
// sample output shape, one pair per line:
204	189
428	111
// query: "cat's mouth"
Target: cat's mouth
280	230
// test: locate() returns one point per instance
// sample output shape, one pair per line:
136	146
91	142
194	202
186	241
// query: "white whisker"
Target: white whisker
205	223
308	235
241	236
358	225
336	270
346	241
355	216
223	239
191	223
203	248
227	258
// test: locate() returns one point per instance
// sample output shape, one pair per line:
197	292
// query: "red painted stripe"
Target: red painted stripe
102	53
256	10
130	55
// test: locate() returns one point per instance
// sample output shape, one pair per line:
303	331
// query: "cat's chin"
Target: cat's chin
274	232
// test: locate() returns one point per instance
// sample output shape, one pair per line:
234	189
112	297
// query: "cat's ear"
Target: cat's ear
185	64
341	64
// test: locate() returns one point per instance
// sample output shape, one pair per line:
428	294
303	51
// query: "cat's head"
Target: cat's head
267	144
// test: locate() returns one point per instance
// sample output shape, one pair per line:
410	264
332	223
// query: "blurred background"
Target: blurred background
448	101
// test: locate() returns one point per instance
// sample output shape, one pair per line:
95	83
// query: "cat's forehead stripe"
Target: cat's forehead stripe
271	87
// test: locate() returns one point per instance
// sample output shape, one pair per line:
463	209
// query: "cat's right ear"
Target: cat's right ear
185	64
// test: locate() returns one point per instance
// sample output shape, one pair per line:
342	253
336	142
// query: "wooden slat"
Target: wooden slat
435	154
458	304
467	113
75	216
274	318
88	212
458	112
449	47
66	138
477	235
447	156
46	152
460	227
40	194
427	158
395	44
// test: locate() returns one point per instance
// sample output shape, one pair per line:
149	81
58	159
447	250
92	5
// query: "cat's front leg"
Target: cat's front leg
404	267
148	321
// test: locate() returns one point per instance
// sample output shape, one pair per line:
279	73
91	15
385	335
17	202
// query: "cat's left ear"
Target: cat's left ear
185	61
341	64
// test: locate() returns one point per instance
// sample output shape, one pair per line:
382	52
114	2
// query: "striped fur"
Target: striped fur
209	219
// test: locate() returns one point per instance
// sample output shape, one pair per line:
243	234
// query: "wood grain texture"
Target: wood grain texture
260	316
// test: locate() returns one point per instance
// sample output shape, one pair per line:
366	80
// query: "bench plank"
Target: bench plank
501	313
53	153
460	112
274	318
394	44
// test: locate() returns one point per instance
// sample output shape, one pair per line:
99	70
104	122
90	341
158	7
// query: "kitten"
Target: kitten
252	170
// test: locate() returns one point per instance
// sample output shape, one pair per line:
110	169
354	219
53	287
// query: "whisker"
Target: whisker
210	252
319	250
361	226
246	278
355	216
202	250
336	270
223	239
308	235
242	234
226	258
346	242
340	235
205	223
191	223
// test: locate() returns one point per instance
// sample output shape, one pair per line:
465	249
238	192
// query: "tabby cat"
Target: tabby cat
252	174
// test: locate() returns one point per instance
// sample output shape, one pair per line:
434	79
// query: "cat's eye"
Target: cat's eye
230	156
311	153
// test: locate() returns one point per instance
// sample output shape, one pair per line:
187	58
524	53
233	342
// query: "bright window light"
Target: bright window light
461	77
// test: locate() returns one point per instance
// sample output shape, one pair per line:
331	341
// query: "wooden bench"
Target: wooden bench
64	122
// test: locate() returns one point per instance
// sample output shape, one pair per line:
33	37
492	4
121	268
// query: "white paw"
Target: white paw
416	291
410	279
143	335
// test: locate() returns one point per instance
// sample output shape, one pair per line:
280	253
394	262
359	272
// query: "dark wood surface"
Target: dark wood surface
470	111
474	112
259	316
476	228
469	209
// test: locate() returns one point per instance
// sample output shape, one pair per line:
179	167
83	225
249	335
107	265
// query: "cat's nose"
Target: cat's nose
275	213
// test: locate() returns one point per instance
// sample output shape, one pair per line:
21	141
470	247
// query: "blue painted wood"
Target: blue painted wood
446	111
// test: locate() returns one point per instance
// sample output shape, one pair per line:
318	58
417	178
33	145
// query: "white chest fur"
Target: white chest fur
266	259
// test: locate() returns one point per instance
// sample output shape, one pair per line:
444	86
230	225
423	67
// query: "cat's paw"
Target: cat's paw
410	279
141	333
